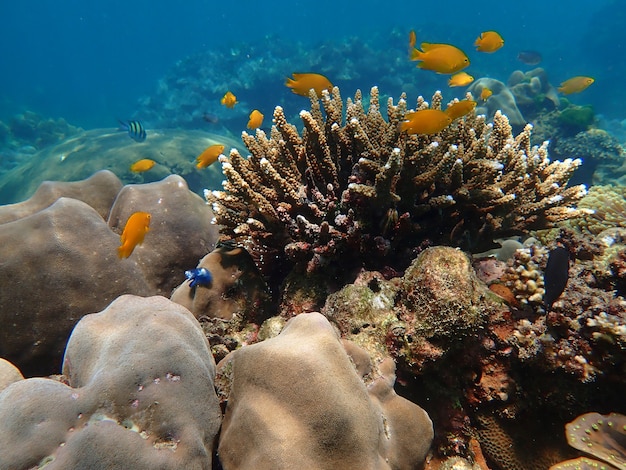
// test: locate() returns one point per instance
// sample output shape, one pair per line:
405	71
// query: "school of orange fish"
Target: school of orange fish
436	57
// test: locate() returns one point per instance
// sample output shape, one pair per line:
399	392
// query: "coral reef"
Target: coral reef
602	153
533	92
33	129
87	152
492	367
270	387
525	97
60	257
584	330
417	318
368	194
130	397
501	100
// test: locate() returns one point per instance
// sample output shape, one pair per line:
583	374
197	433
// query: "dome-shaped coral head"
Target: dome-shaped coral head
360	191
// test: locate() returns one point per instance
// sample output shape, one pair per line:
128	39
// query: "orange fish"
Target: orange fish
135	230
303	82
412	39
489	41
209	156
575	85
142	165
460	79
460	109
485	93
256	119
426	121
229	100
440	58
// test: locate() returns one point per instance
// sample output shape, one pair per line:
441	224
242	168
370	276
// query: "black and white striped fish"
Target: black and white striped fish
135	130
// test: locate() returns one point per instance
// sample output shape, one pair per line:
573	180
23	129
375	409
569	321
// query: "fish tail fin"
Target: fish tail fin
123	125
122	252
416	54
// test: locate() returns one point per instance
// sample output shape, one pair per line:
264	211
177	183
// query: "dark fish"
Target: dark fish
210	118
555	276
529	57
135	130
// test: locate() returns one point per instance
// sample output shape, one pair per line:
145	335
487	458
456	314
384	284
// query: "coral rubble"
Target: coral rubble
366	193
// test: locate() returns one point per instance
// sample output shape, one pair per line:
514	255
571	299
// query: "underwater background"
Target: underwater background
90	63
70	67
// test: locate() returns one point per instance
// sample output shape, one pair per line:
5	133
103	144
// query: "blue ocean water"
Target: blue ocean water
90	62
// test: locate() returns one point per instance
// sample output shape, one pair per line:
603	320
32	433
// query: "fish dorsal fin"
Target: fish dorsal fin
427	46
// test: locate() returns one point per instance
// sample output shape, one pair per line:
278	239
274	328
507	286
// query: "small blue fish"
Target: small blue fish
198	277
135	130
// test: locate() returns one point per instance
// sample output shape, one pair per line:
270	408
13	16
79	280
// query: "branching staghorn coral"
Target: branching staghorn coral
362	190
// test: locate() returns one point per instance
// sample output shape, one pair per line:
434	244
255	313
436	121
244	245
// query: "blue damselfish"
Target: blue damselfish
198	277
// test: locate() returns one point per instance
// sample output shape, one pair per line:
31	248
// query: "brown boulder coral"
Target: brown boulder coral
140	394
416	319
296	401
366	193
59	257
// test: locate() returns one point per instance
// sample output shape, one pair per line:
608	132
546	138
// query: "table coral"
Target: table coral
366	193
139	394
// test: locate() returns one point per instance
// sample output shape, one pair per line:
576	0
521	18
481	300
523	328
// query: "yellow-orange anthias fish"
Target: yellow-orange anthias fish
256	119
229	100
209	156
142	165
575	85
425	121
485	93
460	109
440	58
135	230
460	79
301	83
412	39
489	41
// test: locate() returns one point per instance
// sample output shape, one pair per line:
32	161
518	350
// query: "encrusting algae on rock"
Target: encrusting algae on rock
361	190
